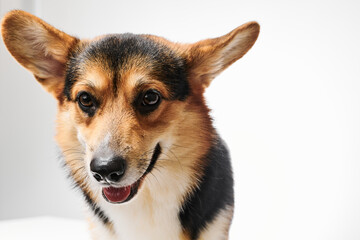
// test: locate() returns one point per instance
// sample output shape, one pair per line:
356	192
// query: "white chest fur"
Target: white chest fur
145	217
147	223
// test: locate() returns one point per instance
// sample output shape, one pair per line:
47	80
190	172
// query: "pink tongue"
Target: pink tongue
117	194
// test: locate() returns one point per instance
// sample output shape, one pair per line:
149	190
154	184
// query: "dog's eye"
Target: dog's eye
148	101
151	98
86	102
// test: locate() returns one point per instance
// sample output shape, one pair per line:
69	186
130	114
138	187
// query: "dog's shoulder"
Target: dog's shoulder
214	193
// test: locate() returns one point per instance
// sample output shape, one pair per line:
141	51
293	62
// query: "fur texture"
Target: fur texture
138	98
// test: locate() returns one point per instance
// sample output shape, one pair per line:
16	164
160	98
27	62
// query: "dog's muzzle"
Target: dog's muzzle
111	171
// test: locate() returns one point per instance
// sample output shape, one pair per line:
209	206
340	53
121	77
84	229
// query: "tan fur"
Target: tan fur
210	57
219	227
100	231
39	47
183	128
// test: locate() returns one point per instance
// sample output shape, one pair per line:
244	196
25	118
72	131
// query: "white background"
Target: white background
289	111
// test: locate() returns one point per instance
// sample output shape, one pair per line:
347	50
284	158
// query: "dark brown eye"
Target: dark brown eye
148	101
151	98
86	100
87	103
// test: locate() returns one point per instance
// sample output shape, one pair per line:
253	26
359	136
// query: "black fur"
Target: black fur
96	210
119	52
214	193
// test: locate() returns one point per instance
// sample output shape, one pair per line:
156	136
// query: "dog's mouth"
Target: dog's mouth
125	194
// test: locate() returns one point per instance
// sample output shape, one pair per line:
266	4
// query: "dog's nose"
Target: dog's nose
110	170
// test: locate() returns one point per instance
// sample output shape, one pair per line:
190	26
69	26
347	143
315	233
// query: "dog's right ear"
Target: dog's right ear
207	58
39	47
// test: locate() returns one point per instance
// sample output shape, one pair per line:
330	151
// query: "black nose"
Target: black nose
110	170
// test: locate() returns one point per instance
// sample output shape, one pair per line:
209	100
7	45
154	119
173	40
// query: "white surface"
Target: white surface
44	228
289	111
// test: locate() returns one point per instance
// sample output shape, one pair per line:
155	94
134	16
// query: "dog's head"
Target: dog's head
127	103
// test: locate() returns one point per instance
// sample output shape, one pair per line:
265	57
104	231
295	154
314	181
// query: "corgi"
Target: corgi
133	126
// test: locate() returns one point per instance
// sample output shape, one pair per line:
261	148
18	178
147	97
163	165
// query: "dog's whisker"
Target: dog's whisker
179	146
177	159
74	160
72	155
72	149
152	174
77	170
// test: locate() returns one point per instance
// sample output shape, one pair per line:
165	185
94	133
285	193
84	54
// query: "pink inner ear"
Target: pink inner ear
44	63
49	67
210	57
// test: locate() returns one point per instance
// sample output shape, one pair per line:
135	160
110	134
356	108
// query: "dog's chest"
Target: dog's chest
151	221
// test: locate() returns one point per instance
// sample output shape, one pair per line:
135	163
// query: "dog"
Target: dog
133	126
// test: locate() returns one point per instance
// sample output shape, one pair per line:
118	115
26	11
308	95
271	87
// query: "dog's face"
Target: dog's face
127	103
124	93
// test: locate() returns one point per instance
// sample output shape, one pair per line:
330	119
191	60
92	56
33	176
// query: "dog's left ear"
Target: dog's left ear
39	47
207	58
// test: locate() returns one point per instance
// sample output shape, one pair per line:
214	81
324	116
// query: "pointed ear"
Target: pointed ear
207	58
39	47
